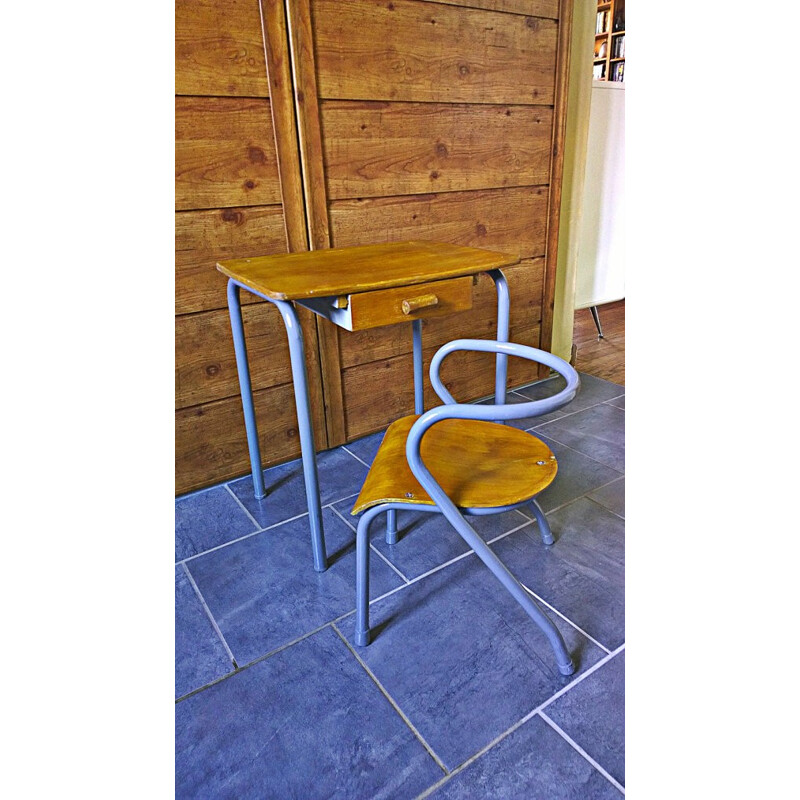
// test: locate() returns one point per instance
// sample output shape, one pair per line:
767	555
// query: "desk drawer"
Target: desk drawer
406	303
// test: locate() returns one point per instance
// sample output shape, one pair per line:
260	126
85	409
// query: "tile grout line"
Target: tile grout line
412	581
242	505
261	658
565	618
355	456
598	503
461	767
263	530
371	602
387	562
528	521
547	435
242	538
394	704
580	678
373	549
544	602
582	752
209	615
469	552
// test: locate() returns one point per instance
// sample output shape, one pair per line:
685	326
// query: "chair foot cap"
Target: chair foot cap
567	669
362	638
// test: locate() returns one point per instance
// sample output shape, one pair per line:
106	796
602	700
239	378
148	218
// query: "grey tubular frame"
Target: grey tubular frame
300	380
443	504
305	427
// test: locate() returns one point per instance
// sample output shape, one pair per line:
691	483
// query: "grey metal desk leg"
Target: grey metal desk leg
242	367
307	448
419	402
501	362
419	408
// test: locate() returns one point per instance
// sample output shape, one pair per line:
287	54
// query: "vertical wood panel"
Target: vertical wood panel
284	124
304	69
308	120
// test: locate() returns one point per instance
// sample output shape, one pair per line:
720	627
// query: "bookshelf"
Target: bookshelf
609	41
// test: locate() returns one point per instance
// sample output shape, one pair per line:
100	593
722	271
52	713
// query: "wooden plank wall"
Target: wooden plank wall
427	120
229	204
384	121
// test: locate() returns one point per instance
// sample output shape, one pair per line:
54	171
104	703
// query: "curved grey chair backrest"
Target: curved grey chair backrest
489	413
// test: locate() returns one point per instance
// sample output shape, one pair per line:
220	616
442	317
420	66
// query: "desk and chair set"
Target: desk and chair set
456	459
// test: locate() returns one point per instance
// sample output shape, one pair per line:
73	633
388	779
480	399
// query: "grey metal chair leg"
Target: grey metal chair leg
391	526
544	525
566	666
362	575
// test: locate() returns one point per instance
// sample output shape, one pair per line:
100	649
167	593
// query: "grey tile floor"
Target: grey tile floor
458	695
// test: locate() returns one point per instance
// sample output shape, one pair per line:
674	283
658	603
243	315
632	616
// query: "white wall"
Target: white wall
600	275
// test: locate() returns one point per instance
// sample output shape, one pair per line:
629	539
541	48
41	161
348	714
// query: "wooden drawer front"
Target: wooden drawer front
406	303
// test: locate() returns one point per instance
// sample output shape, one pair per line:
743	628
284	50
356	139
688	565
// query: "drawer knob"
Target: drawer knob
416	303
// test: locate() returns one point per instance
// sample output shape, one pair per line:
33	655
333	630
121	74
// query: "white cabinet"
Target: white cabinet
600	275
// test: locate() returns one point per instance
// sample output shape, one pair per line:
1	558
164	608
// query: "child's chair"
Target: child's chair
459	460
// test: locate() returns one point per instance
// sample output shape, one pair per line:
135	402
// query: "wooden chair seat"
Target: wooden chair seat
478	465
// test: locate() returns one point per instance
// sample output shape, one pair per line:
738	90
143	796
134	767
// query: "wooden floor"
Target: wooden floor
603	358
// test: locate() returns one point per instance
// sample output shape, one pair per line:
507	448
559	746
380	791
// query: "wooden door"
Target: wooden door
233	198
430	120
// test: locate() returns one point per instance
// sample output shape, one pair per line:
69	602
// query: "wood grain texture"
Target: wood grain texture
525	287
604	358
536	8
204	237
477	464
323	273
512	221
219	48
380	149
306	96
284	124
205	366
423	301
224	153
304	73
415	51
211	444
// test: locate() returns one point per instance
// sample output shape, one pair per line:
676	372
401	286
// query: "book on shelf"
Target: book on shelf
599	72
619	47
617	71
602	22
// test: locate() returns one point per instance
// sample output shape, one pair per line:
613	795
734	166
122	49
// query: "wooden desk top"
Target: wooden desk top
349	270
